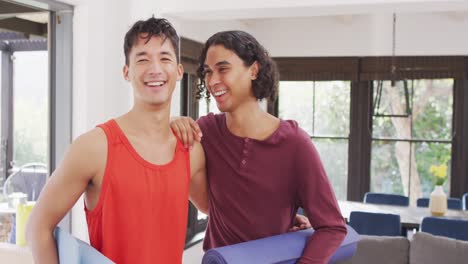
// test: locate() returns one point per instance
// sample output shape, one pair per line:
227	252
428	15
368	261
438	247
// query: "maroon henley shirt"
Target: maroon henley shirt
256	187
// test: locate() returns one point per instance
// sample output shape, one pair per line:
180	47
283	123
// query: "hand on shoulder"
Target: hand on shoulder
186	129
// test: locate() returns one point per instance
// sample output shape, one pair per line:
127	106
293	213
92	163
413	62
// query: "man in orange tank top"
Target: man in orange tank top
135	173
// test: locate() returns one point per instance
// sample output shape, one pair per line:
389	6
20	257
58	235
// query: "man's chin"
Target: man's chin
158	102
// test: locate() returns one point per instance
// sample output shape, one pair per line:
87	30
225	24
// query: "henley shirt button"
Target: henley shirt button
246	140
245	151
243	162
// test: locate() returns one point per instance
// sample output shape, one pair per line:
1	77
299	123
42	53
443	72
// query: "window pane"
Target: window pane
204	108
334	156
391	100
175	107
383	127
30	124
433	109
296	102
395	167
386	174
320	108
427	155
332	106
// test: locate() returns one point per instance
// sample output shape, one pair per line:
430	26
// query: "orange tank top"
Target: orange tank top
141	215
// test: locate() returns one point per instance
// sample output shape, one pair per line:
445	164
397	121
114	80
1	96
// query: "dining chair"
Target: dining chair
452	203
453	228
29	179
386	198
377	224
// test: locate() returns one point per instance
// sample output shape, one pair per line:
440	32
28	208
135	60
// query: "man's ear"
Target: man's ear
180	72
125	72
254	70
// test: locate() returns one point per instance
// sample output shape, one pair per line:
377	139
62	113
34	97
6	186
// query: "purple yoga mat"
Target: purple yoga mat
281	249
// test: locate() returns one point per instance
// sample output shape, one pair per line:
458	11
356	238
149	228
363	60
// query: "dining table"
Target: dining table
410	216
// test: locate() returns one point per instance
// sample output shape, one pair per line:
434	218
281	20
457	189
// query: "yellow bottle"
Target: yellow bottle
22	214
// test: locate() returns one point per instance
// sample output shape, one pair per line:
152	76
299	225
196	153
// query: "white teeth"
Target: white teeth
155	83
219	93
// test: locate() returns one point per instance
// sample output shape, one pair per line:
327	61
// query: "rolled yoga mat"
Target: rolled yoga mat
281	249
71	250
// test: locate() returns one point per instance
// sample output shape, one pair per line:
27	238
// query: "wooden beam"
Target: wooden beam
10	8
24	26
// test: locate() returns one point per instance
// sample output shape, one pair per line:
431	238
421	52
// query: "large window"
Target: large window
2	151
412	130
322	109
25	123
35	99
378	135
30	107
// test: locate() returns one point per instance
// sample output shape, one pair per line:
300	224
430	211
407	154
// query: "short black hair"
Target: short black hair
249	50
152	27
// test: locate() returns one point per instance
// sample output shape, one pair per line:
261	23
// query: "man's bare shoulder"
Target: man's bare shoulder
85	159
94	139
90	148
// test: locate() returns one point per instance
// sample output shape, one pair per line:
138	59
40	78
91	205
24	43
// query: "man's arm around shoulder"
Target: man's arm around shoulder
85	158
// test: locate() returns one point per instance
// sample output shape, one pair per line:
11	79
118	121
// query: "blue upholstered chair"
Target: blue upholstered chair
452	203
465	201
385	198
453	228
376	224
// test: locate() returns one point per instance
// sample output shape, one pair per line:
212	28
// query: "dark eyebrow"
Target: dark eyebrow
144	53
166	53
221	63
141	53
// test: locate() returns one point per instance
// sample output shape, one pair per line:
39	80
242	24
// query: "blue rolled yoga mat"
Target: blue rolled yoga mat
281	249
71	250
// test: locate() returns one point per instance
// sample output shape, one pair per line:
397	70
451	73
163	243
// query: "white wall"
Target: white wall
100	93
201	30
440	33
99	90
365	35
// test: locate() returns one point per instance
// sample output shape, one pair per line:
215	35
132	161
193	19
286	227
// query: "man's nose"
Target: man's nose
213	79
155	68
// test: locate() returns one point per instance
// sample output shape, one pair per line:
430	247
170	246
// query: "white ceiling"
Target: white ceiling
206	10
260	9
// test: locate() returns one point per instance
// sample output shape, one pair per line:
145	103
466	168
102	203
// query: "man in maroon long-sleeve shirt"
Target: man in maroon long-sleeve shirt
260	169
